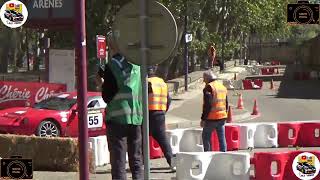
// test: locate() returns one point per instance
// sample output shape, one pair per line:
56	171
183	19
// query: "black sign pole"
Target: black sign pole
82	90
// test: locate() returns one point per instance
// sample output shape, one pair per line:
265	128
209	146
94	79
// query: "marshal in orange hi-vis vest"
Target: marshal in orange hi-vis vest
219	95
158	97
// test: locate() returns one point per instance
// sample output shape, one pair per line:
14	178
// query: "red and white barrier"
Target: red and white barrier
100	150
309	135
191	141
174	138
265	162
249	84
288	134
266	135
213	165
268	71
232	135
262	162
155	149
249	135
247	131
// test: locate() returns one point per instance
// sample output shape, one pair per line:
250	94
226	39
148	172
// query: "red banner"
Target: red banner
14	94
101	47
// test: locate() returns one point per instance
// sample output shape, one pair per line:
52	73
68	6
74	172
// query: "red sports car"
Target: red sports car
55	116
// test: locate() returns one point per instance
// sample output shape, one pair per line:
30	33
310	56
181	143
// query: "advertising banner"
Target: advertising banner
14	94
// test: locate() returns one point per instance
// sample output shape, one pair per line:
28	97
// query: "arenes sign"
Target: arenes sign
47	4
50	13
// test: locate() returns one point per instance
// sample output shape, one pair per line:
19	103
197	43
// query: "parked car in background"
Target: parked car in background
56	116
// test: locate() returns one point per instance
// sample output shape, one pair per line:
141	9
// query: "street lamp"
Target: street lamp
190	8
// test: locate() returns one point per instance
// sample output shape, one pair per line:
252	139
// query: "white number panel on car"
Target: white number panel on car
95	120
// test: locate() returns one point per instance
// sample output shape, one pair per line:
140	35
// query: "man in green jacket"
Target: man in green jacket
121	90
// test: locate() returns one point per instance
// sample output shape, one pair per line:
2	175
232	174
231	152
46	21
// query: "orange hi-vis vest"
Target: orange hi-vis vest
158	97
219	95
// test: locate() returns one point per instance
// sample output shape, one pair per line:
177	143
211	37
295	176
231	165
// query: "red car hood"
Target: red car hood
11	115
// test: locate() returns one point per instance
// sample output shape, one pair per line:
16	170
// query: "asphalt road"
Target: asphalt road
288	101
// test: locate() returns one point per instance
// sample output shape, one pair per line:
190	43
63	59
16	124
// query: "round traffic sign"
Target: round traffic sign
162	32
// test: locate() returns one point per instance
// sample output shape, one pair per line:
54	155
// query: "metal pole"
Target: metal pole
222	53
186	59
82	90
144	76
27	46
46	60
241	48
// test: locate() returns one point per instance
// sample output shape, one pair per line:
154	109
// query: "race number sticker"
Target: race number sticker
95	120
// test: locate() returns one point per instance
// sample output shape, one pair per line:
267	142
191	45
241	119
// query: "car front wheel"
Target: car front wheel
48	129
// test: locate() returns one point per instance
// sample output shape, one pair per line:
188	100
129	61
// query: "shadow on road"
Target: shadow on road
298	89
161	170
177	99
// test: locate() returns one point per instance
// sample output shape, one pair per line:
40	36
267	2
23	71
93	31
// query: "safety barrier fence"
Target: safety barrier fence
101	154
239	136
285	165
243	84
252	84
269	71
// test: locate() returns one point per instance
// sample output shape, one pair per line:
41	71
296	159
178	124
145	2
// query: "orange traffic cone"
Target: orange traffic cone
229	120
271	84
235	76
255	108
240	102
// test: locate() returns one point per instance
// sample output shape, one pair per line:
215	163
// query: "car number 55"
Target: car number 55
95	120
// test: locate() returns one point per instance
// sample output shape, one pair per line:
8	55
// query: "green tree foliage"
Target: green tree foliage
225	22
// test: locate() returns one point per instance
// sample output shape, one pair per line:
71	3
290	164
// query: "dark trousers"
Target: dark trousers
120	138
157	128
208	128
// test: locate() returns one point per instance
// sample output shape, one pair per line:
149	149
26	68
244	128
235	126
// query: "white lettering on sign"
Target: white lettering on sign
43	93
47	4
7	93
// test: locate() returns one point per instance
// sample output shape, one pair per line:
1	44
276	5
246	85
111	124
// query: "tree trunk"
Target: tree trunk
4	59
5	47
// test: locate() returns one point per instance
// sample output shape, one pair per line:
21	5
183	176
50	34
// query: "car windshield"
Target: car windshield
56	103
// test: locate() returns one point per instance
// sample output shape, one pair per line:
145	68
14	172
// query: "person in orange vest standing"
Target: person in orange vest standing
214	113
211	55
159	102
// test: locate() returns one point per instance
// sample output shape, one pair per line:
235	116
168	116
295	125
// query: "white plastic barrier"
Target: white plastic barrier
213	166
247	131
100	150
266	135
191	141
174	137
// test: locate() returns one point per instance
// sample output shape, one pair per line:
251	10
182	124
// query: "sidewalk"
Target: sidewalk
195	91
